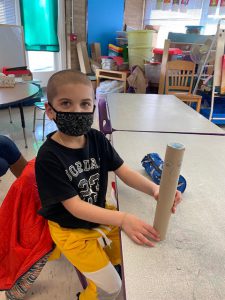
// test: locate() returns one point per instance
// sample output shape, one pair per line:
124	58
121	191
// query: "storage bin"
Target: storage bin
174	54
139	55
115	50
152	72
108	64
125	54
121	41
121	34
140	38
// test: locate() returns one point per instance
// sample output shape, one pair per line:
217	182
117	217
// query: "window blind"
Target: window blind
7	12
40	22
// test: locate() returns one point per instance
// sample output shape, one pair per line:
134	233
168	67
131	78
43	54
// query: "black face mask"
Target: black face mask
73	123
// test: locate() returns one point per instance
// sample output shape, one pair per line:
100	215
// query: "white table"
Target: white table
190	263
17	95
149	112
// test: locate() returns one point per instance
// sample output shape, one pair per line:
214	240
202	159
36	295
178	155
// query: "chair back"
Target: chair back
179	77
104	121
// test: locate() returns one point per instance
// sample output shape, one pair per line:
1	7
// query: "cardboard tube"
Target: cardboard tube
168	187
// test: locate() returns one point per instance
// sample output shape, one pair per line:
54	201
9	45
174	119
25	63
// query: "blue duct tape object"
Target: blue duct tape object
153	165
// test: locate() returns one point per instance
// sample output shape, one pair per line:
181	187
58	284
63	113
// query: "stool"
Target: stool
40	105
114	75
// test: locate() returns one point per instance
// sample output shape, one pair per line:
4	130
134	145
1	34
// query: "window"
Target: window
41	63
175	18
210	18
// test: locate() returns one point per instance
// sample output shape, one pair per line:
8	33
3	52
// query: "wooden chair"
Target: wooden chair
179	81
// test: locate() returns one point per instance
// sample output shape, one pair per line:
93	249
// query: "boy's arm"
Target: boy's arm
141	183
137	181
135	228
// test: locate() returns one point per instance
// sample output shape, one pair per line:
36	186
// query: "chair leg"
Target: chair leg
43	128
198	105
10	114
34	121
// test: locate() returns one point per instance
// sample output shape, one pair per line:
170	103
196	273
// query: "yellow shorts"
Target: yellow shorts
93	252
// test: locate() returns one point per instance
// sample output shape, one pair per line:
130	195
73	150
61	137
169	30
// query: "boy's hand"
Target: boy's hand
177	198
156	192
138	230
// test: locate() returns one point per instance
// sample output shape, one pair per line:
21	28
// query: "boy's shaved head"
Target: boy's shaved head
64	77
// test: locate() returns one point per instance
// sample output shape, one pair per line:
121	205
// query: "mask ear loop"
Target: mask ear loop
54	111
52	107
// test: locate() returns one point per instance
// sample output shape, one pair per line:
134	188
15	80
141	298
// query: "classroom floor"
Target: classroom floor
58	280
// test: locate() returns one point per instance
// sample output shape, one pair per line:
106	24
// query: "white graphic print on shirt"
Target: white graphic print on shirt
88	189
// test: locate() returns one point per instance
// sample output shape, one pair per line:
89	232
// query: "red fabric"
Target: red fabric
24	235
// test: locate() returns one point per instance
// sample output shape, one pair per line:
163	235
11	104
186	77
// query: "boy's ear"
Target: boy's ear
49	111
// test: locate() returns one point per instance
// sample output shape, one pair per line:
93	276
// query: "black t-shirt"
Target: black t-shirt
63	173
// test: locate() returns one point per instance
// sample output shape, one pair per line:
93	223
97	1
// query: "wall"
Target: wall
104	19
133	16
79	23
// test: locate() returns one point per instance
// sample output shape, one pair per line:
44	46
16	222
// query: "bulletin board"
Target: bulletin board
12	50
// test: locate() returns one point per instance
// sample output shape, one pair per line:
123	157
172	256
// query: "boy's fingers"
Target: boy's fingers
144	240
150	235
151	230
178	197
136	240
177	201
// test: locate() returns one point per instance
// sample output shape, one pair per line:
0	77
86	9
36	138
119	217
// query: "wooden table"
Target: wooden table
17	95
190	263
149	112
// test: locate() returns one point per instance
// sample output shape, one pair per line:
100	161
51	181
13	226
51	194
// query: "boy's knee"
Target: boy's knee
115	286
111	292
107	282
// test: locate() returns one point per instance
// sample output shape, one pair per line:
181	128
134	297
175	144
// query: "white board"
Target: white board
12	50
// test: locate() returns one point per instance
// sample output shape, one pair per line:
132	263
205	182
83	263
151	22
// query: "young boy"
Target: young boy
72	171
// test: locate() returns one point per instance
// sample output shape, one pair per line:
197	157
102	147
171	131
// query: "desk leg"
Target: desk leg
10	114
23	123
